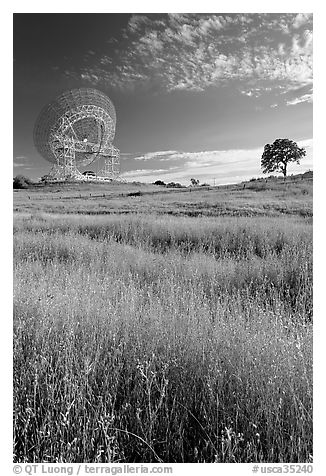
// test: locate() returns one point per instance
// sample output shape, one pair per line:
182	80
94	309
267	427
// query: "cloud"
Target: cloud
302	19
20	161
159	154
299	100
192	52
225	166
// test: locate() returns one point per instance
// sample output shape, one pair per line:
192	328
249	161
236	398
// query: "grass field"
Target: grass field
258	198
163	326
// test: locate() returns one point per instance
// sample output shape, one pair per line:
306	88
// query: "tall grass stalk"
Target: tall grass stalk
147	339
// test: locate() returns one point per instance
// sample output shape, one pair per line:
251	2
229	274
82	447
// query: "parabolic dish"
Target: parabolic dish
83	120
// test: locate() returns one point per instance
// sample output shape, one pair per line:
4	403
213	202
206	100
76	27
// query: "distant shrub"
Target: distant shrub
174	185
159	182
20	181
194	182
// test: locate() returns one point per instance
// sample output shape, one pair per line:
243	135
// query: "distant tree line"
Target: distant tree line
193	182
168	185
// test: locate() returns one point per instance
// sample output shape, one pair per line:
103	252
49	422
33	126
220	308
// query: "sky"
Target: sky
196	95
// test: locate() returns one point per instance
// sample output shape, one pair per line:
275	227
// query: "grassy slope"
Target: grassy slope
272	197
164	338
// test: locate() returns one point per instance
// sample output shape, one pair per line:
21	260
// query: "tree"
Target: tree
21	182
174	185
159	182
194	182
276	156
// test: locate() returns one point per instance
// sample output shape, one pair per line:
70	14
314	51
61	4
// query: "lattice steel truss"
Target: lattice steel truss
75	130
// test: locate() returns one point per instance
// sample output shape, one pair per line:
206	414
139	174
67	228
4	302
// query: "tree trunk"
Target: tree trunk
284	171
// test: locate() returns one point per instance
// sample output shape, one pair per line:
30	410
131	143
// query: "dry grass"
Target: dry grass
146	338
259	198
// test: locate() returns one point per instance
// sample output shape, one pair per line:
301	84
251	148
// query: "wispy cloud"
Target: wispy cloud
196	51
300	99
158	154
20	161
302	19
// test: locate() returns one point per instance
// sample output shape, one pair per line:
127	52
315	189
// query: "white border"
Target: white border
59	6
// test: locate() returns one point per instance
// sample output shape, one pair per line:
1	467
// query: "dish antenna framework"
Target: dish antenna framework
75	130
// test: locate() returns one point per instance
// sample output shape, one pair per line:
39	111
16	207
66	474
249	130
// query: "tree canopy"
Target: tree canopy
276	156
194	182
20	181
159	182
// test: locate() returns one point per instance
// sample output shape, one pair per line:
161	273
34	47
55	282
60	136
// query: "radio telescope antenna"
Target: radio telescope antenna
75	130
